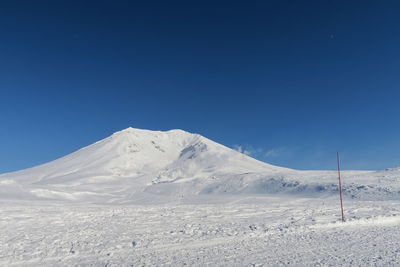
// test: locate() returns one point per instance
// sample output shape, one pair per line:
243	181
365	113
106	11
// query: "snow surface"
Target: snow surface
263	232
151	198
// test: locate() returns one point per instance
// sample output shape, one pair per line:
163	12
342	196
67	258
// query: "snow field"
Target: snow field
295	232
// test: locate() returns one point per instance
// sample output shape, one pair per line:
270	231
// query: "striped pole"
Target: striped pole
340	185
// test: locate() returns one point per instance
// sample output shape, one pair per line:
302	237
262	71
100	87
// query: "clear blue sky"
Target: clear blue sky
291	82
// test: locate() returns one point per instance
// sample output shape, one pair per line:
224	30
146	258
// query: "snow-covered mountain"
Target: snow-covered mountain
139	166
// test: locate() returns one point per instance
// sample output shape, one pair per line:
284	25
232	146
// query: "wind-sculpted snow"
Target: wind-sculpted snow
141	166
273	232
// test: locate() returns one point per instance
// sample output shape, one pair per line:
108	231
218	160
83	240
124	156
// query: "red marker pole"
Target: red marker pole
340	185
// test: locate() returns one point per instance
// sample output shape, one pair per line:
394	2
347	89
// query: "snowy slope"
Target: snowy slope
128	163
142	166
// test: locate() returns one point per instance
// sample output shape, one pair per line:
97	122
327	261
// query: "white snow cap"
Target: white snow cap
135	165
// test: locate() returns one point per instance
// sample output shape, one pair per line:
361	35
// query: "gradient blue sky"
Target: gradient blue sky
290	82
